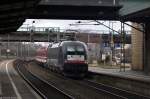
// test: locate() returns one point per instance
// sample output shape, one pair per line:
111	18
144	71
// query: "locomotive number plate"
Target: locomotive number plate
75	57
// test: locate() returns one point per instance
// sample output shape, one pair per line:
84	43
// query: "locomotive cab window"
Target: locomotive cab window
80	49
71	48
75	52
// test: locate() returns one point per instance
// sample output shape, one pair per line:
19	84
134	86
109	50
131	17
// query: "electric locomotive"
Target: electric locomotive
68	57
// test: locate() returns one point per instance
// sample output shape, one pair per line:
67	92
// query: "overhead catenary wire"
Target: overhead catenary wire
100	23
134	27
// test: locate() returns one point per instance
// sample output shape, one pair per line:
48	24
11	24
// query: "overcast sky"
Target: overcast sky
65	24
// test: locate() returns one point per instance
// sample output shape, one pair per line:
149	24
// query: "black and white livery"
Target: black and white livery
68	57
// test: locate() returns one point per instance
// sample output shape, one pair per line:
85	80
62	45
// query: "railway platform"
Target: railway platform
12	86
127	73
134	81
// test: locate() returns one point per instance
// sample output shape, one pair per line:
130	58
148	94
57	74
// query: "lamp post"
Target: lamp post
112	45
31	35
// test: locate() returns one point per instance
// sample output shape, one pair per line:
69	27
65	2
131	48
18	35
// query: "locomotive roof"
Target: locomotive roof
64	43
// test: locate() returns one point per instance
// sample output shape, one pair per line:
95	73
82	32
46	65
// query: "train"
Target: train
67	57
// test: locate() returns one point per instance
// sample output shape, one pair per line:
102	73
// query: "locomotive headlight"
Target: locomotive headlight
69	57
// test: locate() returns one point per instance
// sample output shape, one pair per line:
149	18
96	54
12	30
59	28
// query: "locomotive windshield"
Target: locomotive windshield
76	52
80	48
71	49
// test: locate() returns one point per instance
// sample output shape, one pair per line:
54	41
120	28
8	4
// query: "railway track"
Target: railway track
95	79
101	91
113	90
42	87
97	93
82	83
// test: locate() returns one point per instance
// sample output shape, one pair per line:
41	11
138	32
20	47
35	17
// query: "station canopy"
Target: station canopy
13	13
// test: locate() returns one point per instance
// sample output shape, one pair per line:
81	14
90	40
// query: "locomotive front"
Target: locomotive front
75	59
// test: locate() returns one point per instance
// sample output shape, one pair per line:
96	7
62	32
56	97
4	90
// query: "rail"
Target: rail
42	87
116	91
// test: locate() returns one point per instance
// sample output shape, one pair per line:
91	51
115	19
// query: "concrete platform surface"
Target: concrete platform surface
12	86
128	73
